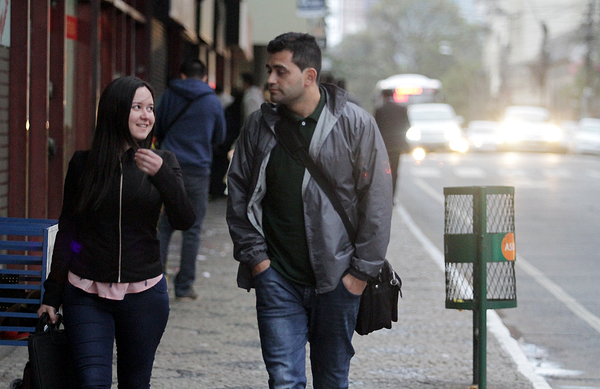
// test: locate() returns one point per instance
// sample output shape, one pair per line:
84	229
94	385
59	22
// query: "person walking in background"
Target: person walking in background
220	164
106	270
292	245
252	97
393	123
190	122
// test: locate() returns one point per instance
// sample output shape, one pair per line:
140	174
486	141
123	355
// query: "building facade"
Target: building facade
56	57
534	53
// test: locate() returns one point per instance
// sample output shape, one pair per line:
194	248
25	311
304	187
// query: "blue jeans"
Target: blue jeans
137	323
196	186
289	316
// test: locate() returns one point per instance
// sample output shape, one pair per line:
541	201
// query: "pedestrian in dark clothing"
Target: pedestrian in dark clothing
106	270
292	245
393	123
233	118
190	122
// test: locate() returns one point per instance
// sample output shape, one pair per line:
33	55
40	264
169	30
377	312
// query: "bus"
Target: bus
410	89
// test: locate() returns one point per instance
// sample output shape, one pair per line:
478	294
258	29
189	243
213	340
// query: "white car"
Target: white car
482	135
434	127
528	128
569	128
587	136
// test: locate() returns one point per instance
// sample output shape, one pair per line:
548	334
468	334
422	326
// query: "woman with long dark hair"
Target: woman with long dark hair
106	270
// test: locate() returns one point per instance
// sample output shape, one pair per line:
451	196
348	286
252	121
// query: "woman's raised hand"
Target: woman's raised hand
148	161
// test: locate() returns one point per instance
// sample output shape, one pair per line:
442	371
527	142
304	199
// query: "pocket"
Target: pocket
261	275
343	285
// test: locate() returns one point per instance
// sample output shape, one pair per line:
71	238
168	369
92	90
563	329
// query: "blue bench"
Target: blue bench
25	255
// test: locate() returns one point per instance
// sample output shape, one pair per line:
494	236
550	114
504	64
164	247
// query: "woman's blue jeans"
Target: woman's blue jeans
137	323
289	316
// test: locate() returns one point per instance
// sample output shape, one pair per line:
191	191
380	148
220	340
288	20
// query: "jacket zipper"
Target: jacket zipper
120	220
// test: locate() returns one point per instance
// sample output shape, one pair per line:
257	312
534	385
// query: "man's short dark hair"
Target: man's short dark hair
193	69
388	93
305	50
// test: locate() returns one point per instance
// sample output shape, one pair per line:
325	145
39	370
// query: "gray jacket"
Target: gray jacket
349	149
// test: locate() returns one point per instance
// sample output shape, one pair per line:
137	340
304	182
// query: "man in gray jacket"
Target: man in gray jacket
292	245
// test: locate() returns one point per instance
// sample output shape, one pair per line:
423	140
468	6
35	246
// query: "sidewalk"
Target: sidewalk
213	342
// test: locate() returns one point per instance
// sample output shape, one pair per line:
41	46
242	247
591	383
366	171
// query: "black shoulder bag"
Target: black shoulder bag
379	301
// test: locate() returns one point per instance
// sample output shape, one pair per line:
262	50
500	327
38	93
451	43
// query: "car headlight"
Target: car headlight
459	144
418	154
476	141
511	132
413	134
452	133
553	134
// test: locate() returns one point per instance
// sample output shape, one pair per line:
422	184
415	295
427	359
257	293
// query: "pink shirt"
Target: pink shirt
112	290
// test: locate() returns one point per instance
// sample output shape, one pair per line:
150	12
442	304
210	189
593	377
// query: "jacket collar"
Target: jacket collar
336	99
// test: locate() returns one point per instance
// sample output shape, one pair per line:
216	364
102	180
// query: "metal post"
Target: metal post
480	290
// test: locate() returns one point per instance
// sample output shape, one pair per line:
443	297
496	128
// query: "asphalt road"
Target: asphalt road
557	228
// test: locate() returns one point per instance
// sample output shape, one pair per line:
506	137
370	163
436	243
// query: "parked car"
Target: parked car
587	136
435	127
482	135
528	128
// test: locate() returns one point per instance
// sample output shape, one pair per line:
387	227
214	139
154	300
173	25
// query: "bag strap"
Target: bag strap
289	138
182	111
291	142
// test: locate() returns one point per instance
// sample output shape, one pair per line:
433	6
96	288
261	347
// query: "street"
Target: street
557	220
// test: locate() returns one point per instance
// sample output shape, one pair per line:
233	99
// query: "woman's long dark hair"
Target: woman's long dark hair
111	138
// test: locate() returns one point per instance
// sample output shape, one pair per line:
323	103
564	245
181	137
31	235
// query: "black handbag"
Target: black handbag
50	362
379	301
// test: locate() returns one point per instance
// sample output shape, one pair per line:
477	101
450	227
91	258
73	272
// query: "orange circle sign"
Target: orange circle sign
508	246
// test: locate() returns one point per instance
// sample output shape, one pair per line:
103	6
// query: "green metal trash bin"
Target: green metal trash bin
480	228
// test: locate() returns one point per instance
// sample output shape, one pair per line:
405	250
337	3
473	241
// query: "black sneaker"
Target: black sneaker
188	296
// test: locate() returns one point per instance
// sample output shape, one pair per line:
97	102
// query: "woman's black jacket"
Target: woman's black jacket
117	241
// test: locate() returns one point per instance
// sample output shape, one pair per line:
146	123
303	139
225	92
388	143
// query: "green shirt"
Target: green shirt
283	210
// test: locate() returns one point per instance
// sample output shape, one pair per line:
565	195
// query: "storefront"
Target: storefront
56	57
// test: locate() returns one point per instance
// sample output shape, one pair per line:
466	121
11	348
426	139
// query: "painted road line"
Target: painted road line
557	173
422	171
469	172
437	196
558	292
509	172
